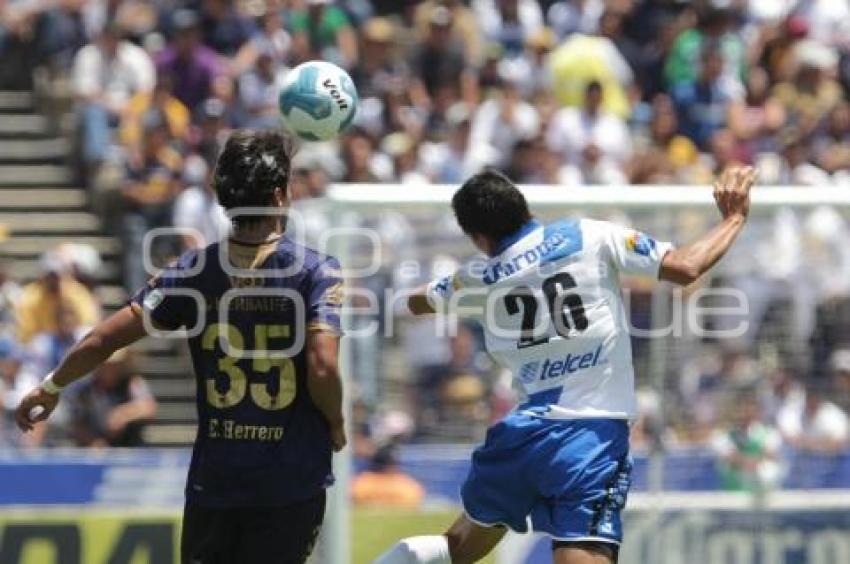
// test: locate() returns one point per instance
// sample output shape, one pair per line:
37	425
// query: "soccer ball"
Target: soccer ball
318	100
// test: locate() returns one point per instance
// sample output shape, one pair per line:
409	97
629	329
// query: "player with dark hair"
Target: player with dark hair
548	299
262	314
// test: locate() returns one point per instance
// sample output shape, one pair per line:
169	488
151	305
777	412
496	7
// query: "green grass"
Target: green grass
375	530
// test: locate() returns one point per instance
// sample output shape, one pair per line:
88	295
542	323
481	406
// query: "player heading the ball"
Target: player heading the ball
548	299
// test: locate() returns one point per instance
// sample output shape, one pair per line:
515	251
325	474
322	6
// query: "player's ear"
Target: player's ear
483	243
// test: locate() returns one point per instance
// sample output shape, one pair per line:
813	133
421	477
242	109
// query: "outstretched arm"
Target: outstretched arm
117	331
418	303
732	194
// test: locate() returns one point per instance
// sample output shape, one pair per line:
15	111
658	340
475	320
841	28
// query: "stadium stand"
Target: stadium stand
43	205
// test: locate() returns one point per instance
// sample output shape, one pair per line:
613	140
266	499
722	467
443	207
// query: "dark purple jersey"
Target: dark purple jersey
248	309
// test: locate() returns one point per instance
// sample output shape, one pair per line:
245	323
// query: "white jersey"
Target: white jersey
552	312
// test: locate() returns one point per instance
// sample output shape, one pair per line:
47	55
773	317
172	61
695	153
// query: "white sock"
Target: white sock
432	549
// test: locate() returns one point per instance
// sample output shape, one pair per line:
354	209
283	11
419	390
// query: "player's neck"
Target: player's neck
258	232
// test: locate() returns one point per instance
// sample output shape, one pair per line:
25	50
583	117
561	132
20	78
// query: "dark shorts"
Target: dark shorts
239	535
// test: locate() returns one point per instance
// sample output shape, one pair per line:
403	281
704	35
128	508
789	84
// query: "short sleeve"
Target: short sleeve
633	252
439	292
458	294
168	298
323	312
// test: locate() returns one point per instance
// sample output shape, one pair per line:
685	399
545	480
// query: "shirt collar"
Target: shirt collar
527	228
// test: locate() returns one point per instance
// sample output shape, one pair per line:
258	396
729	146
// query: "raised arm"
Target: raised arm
117	331
732	194
324	383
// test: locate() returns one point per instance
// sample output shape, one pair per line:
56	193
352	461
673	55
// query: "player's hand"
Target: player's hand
34	407
732	191
338	439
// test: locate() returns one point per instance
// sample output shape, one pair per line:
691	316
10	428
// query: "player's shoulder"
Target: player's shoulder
598	231
189	263
313	262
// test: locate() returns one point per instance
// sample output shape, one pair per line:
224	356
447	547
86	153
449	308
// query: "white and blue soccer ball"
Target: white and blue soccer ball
318	101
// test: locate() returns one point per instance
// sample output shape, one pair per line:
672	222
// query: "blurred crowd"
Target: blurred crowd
39	322
558	92
561	92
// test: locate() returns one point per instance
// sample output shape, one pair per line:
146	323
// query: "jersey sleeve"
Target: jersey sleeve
325	298
439	292
469	304
633	252
169	297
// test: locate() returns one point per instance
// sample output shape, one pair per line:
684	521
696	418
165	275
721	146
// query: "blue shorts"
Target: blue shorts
570	476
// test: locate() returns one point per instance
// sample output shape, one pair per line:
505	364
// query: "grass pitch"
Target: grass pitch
375	530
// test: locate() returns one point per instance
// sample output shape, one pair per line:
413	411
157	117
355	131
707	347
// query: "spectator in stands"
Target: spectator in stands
840	367
14	383
322	31
452	160
379	66
45	350
458	379
362	162
777	52
10	293
464	409
41	300
812	93
149	194
575	16
508	22
224	28
404	152
703	105
668	155
686	61
505	119
611	27
439	67
197	208
723	152
594	142
112	407
213	127
138	17
271	38
533	66
259	90
817	424
162	99
828	21
756	118
385	485
465	27
84	263
106	75
197	70
748	452
797	166
832	148
308	182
